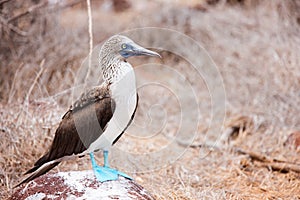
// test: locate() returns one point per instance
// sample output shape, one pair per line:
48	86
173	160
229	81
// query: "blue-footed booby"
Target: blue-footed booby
100	116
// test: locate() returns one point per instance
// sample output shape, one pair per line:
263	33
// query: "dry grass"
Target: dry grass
256	47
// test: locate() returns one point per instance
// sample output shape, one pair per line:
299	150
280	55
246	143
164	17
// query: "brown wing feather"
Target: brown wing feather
80	126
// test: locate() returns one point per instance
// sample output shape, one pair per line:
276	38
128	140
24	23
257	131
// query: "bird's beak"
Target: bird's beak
136	50
140	51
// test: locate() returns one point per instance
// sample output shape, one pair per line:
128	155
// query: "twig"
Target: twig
15	29
90	37
253	155
35	81
186	144
12	89
26	101
199	145
12	27
264	161
282	167
69	90
275	164
3	1
58	7
29	10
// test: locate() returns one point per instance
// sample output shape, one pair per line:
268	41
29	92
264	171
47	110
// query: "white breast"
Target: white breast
123	91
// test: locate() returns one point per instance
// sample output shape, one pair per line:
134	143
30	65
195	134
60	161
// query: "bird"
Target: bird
99	117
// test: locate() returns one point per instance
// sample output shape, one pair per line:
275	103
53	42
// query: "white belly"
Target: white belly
124	94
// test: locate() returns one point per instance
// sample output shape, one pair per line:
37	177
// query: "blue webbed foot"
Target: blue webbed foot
106	173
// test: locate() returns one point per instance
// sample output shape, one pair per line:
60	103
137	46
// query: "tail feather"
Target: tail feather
38	171
44	159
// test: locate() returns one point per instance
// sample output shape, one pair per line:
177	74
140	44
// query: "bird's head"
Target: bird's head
114	53
118	47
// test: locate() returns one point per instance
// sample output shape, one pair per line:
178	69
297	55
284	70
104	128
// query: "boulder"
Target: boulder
293	140
79	185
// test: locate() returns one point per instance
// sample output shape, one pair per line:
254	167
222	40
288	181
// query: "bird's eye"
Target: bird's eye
124	46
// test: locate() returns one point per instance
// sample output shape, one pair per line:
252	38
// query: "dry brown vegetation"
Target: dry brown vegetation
256	46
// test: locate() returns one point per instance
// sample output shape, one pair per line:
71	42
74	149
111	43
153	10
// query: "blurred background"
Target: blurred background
255	45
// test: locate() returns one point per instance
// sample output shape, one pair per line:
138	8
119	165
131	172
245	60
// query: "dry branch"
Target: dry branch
7	22
90	22
26	101
264	161
29	10
13	89
34	82
3	1
58	6
253	155
274	164
282	167
15	29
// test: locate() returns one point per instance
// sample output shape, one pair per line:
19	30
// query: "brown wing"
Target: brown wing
80	126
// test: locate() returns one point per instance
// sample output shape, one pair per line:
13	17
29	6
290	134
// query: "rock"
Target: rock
293	140
79	185
121	5
237	129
